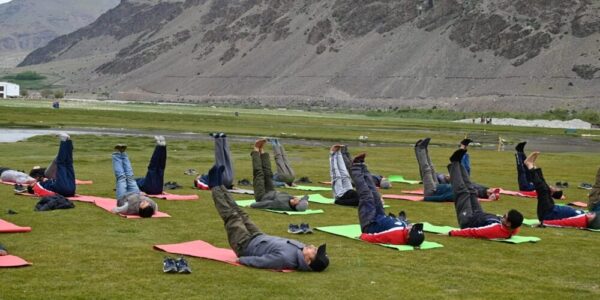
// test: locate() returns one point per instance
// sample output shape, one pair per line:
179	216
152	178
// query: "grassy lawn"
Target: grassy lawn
88	253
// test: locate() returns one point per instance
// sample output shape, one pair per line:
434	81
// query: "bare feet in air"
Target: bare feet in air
259	144
530	161
335	148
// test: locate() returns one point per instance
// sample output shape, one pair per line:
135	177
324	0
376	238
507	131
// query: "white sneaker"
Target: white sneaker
63	136
160	140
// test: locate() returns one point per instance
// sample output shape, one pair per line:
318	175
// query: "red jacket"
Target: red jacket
493	231
580	221
395	236
40	191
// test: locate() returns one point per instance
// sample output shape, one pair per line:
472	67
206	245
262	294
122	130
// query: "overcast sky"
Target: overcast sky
4	1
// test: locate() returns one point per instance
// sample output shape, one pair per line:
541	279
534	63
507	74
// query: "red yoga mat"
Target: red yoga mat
109	204
9	261
174	197
203	249
403	197
8	227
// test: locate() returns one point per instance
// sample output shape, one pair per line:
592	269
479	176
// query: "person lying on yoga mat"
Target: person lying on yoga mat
14	176
473	221
442	192
152	184
594	196
285	174
524	176
556	215
376	226
222	158
341	183
60	175
264	193
254	248
130	201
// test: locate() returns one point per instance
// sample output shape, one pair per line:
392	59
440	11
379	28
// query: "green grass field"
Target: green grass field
87	253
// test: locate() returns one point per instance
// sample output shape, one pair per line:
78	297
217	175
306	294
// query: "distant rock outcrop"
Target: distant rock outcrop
26	25
388	51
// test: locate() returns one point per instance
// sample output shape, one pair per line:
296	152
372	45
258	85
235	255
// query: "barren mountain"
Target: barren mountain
463	54
29	24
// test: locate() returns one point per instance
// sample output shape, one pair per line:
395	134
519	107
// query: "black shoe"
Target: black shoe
585	186
565	184
402	216
391	215
169	265
520	147
305	228
19	188
11	212
171	185
425	143
222	134
244	182
121	147
418	143
304	180
558	184
294	229
458	155
182	266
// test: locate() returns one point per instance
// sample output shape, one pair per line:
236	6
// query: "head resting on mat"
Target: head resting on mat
316	258
299	204
385	183
146	210
594	222
416	236
37	172
513	219
493	194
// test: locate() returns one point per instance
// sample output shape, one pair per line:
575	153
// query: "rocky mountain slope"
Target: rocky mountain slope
463	54
29	24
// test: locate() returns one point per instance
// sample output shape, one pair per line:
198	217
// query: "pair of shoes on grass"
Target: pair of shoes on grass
171	185
300	229
172	265
585	186
560	184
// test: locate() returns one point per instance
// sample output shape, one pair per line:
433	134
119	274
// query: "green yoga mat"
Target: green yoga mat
535	223
515	239
246	203
318	198
400	179
309	188
353	231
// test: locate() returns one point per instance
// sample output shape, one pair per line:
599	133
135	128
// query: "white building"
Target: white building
9	90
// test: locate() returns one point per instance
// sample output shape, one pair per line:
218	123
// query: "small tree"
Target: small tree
46	93
59	94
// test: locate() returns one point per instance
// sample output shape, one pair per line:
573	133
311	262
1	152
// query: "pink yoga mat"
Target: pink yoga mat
109	204
8	227
420	192
8	261
174	197
203	249
403	197
526	194
579	204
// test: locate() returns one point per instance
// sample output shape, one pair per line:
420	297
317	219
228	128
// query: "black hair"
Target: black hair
37	173
515	218
557	194
146	212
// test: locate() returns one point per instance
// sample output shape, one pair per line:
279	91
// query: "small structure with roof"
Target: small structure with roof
9	90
